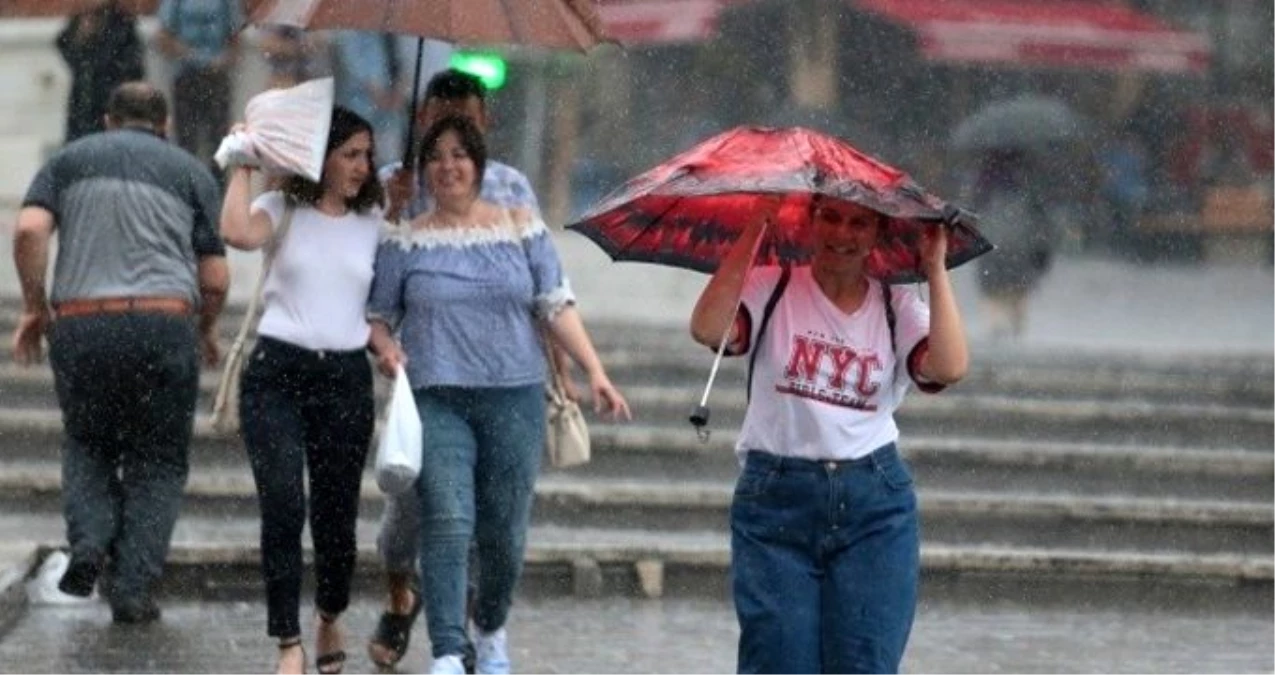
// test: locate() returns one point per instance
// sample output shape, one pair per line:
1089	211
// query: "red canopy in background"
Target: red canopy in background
1055	33
645	22
13	9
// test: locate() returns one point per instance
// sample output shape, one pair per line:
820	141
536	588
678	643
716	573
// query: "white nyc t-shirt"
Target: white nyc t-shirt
824	386
316	294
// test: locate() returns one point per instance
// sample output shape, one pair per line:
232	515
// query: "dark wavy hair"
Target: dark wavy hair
345	124
470	138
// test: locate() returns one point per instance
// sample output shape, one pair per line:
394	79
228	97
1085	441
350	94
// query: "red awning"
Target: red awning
660	21
1051	33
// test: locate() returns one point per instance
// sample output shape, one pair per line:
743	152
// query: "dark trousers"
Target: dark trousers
126	385
201	109
305	410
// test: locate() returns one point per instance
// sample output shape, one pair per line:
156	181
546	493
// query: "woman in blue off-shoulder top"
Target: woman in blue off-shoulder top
466	288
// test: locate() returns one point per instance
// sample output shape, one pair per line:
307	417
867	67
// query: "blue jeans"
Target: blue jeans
825	559
478	475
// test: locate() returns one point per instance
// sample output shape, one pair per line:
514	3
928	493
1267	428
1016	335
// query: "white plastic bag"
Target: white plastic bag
287	131
398	453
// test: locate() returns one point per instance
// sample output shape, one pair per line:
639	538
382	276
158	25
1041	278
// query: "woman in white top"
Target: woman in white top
824	544
306	396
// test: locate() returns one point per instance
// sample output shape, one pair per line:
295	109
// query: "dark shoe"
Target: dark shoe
135	611
81	574
331	663
394	633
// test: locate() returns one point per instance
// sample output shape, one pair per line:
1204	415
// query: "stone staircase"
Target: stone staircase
1070	466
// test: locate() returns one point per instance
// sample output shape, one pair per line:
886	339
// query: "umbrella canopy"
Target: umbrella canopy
558	24
688	211
10	9
1024	122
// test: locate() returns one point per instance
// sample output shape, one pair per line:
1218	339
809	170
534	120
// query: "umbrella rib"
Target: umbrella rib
517	31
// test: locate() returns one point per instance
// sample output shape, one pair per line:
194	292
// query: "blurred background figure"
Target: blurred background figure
1125	187
201	37
102	50
291	54
369	73
1013	216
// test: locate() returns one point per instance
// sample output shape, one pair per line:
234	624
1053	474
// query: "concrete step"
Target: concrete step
28	407
993	416
952	462
640	354
212	558
632	369
1001	519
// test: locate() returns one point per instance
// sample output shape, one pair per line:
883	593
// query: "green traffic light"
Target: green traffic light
488	67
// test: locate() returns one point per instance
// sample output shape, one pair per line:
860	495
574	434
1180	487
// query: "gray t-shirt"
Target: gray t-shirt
133	213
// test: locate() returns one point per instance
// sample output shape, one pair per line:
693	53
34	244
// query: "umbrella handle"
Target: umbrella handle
699	416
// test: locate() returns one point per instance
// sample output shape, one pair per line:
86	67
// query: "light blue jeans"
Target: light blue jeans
478	473
825	560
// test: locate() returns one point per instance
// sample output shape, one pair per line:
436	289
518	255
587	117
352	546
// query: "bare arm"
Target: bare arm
214	282
170	46
948	358
31	258
389	355
568	331
239	228
718	304
31	255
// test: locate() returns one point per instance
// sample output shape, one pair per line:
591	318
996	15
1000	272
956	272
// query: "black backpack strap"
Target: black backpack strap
889	315
765	320
888	297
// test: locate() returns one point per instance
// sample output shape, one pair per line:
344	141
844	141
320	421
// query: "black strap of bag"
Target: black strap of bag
765	320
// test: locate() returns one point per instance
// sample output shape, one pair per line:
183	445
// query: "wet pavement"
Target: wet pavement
623	635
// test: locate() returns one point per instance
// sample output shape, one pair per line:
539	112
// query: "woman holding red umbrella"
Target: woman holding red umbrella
824	534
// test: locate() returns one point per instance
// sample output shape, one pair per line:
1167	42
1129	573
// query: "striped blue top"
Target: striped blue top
464	301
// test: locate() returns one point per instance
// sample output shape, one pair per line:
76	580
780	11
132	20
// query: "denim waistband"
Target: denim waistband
767	460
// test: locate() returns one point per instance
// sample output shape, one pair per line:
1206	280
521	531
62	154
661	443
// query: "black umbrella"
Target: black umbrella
1023	122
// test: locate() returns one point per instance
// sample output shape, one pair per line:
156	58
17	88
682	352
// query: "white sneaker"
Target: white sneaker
42	589
447	665
492	652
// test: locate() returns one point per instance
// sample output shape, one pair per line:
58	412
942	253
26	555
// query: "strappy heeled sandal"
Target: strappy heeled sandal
394	632
331	663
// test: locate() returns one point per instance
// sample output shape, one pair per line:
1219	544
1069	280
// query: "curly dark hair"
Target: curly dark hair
345	124
470	138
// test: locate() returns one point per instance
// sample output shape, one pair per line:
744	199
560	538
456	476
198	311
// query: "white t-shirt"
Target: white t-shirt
315	295
824	385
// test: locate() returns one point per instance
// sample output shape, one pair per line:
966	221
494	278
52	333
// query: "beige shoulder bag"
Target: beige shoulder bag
225	413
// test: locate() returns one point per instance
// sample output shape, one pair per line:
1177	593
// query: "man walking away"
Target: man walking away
140	279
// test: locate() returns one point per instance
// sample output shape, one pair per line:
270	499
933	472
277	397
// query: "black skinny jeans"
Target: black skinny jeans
302	409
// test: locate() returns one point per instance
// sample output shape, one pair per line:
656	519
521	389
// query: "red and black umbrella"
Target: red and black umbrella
687	211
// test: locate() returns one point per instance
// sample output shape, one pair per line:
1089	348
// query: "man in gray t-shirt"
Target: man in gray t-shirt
138	285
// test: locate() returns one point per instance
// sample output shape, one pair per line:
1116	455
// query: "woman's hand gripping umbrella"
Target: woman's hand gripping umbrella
765	184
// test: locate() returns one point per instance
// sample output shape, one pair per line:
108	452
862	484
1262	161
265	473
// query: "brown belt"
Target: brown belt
144	305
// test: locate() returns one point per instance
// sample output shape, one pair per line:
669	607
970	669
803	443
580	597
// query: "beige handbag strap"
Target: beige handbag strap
555	378
268	255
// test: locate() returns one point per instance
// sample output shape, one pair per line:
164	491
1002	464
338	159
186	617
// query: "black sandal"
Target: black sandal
331	663
394	632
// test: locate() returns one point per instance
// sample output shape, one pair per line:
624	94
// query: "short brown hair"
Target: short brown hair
137	101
